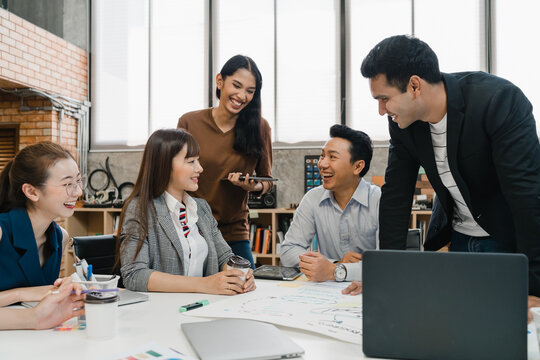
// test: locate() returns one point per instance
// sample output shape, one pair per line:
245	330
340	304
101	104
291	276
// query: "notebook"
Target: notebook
429	305
275	272
238	339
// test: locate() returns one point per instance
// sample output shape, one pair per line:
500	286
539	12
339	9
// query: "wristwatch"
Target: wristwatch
340	272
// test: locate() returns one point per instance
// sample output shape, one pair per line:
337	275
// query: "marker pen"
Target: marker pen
195	305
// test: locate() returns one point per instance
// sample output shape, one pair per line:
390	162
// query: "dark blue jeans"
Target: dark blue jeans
467	243
241	248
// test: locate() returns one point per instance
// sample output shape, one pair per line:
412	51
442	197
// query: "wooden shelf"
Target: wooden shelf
266	218
91	221
420	215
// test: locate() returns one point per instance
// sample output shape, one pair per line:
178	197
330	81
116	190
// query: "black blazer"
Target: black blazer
494	157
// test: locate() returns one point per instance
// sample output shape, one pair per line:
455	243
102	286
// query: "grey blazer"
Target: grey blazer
162	249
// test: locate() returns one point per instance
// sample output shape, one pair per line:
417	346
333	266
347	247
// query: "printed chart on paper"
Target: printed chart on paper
318	307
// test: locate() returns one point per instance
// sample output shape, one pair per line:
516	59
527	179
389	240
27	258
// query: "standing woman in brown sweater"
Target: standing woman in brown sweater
234	140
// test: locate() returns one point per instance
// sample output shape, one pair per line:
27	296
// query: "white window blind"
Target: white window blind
366	29
119	83
307	68
516	49
178	60
250	32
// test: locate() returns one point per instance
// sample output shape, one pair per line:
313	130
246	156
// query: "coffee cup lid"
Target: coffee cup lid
239	262
97	297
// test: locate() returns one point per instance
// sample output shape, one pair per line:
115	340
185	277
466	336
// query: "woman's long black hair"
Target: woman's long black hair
248	132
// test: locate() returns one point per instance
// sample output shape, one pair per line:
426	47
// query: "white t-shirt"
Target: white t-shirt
194	246
463	220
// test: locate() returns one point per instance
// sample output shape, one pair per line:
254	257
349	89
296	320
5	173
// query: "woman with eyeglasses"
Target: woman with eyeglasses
40	184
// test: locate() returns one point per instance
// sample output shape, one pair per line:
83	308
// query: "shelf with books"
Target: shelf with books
264	240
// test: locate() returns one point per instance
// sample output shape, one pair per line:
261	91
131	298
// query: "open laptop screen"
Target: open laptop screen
428	305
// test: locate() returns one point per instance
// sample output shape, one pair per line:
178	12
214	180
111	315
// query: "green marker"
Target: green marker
195	305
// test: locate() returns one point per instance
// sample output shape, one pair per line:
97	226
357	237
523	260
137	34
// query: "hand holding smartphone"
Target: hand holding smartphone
255	178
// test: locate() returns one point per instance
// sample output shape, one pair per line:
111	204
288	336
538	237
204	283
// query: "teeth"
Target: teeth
72	203
236	102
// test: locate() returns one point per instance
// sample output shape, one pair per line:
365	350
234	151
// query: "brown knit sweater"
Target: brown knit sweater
218	158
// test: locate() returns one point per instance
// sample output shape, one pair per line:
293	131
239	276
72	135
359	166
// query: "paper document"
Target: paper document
317	307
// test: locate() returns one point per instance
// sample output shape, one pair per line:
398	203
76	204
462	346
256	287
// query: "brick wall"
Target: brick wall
35	126
31	57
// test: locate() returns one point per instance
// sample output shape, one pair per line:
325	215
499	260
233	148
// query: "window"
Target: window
247	32
516	56
119	73
9	143
365	31
178	65
307	69
460	49
154	60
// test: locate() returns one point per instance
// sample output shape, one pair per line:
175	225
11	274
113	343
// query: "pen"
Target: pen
195	305
315	243
54	292
89	273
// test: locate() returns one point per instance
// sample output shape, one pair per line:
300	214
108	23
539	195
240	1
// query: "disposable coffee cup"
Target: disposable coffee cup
536	318
239	263
101	315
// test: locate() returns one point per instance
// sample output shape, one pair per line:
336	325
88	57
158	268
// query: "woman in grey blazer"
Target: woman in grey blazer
169	241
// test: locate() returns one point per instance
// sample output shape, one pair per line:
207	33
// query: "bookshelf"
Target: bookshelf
269	219
92	221
420	220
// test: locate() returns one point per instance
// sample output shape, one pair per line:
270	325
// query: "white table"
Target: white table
157	320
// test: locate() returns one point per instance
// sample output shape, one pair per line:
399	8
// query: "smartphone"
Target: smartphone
256	178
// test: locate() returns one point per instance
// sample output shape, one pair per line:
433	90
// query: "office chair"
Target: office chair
98	250
414	239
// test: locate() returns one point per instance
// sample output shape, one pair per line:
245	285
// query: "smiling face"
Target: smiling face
184	174
237	90
52	198
400	107
337	171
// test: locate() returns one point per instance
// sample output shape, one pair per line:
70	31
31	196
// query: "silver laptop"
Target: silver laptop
238	339
126	297
428	305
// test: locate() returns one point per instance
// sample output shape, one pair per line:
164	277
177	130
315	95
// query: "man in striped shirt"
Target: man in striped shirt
342	215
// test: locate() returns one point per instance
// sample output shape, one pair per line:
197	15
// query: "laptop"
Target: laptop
430	305
126	297
238	339
276	272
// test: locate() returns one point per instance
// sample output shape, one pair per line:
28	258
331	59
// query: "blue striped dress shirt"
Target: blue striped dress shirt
339	231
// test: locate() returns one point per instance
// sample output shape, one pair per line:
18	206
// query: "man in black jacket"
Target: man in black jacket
475	136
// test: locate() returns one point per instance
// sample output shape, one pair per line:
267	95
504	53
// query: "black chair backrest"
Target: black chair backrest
98	250
414	239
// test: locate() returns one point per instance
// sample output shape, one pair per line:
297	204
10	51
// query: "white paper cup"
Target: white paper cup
239	263
536	318
101	315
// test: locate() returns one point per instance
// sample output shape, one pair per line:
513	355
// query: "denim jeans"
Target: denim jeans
467	243
241	248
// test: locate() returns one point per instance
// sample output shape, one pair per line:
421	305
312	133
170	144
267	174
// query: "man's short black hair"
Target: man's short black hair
361	146
400	57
